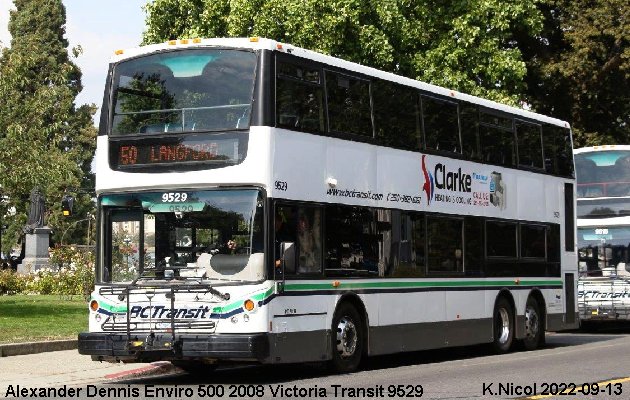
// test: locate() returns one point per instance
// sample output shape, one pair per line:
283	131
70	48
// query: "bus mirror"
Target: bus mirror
287	254
66	205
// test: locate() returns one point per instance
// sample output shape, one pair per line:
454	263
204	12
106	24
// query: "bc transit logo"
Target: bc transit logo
429	184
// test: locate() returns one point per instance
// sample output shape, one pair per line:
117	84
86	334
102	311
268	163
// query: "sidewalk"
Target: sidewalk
67	368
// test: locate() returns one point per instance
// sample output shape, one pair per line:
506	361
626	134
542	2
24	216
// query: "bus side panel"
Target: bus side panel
300	327
468	322
434	319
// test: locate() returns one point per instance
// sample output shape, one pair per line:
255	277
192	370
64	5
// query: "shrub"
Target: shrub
71	272
11	283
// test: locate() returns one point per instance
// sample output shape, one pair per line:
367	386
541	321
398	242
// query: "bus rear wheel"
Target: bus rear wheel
347	339
534	329
503	322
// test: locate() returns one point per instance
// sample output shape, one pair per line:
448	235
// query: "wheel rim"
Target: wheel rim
532	323
347	337
504	327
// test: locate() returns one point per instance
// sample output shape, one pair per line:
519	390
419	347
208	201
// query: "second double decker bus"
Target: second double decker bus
603	212
259	202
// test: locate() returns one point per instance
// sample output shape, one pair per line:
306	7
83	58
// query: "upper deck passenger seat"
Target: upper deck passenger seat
621	177
587	178
622	168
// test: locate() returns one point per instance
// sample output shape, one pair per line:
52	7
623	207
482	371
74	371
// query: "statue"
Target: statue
36	211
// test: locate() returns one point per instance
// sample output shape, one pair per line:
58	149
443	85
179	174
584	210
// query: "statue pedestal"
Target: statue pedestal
35	251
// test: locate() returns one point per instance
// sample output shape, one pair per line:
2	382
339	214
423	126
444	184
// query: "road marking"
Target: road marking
564	392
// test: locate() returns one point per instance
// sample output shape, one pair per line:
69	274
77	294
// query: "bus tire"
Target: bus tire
534	328
503	325
347	339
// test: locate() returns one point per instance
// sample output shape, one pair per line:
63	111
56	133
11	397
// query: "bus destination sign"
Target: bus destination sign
168	151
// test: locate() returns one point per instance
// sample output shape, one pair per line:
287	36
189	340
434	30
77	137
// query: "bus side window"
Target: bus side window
396	115
497	139
473	246
299	98
352	242
469	121
558	150
441	128
529	144
445	245
348	104
408	245
302	226
501	239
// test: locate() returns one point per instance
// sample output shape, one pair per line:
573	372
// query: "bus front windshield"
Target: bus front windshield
604	250
183	91
182	236
603	173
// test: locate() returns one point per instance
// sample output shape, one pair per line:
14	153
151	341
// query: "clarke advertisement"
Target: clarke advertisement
433	184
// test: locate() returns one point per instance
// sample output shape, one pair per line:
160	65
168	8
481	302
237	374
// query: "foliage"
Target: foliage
11	282
579	68
465	45
45	140
71	273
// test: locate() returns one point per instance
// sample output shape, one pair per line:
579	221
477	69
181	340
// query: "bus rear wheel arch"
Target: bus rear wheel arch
348	338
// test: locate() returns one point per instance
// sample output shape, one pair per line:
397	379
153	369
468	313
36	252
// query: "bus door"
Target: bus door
299	312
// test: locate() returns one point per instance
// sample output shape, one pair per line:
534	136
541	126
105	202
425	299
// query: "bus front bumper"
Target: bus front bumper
161	346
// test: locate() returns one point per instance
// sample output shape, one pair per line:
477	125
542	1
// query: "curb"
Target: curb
155	368
18	349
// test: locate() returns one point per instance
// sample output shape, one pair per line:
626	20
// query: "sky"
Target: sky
100	27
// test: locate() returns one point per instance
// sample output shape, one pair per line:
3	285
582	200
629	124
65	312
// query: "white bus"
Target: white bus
603	212
259	202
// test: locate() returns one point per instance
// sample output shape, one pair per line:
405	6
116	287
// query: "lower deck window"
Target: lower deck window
501	239
445	245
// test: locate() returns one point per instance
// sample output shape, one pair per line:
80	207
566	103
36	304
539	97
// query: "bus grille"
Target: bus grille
162	325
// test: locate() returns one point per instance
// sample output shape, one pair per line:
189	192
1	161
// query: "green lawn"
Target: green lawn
42	317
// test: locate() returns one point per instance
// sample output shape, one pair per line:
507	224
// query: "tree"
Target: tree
579	68
45	140
466	45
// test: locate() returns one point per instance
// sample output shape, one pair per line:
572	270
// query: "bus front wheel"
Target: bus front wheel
347	339
503	322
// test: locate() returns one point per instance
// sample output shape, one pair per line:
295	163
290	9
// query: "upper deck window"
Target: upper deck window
348	104
300	99
603	173
183	91
441	130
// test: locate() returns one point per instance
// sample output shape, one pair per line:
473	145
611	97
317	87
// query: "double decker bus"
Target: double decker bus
603	212
259	202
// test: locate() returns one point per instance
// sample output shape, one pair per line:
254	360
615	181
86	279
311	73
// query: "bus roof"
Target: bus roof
272	45
605	147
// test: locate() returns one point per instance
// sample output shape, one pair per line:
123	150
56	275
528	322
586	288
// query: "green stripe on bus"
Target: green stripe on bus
239	303
384	285
112	308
